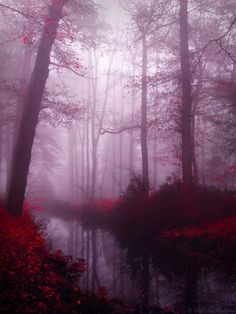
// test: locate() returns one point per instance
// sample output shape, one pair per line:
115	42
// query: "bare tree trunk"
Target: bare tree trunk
121	137
94	137
71	145
155	163
194	158
76	156
131	154
87	157
1	182
186	97
113	145
82	141
8	152
144	145
194	111
92	195
203	150
27	69
25	138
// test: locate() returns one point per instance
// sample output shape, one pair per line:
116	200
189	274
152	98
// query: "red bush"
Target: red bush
32	279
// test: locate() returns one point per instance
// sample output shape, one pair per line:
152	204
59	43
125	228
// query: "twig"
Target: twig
218	42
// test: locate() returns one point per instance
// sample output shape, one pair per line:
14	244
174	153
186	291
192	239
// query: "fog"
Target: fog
136	90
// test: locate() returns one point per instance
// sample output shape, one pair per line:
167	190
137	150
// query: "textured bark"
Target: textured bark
25	138
186	96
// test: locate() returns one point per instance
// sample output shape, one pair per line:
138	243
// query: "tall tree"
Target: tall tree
186	96
25	138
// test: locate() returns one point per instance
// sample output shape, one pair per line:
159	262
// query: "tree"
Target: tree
186	97
25	138
32	106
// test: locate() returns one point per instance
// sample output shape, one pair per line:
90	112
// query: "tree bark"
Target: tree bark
121	138
25	138
1	184
144	147
186	97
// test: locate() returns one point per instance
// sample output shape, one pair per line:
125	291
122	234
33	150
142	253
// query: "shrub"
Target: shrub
32	279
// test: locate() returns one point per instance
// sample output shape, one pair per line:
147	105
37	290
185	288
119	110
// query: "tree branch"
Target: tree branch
110	131
218	42
71	69
27	16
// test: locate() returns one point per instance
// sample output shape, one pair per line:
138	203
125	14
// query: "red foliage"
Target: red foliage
211	244
32	279
226	228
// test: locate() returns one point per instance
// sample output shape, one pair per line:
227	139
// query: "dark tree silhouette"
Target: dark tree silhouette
186	96
25	138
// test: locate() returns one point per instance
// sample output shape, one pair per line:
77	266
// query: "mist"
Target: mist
118	138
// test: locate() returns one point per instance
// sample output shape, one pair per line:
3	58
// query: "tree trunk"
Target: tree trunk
131	154
121	137
76	157
155	163
1	183
144	147
25	138
83	157
113	145
94	136
194	158
186	97
87	157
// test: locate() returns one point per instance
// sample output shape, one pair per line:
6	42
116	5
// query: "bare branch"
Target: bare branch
14	10
27	16
218	42
110	131
71	69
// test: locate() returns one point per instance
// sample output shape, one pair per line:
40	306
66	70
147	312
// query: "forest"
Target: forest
118	156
